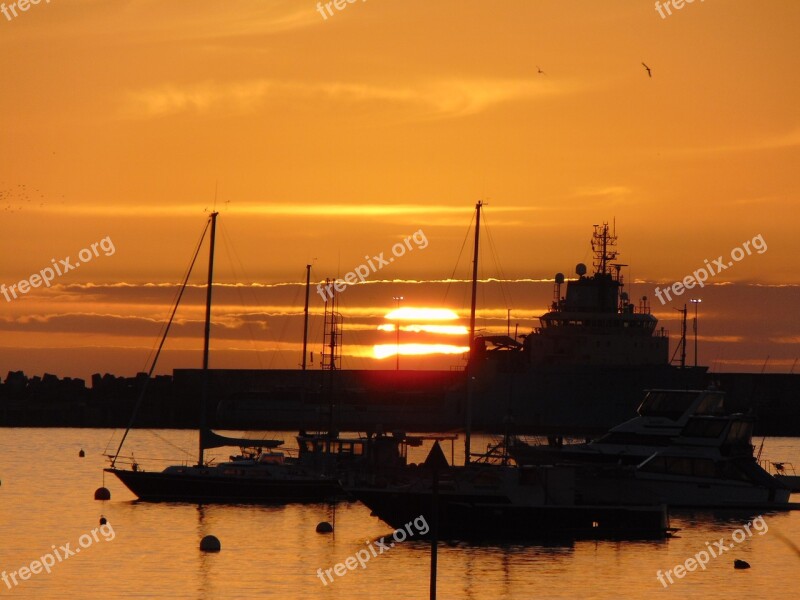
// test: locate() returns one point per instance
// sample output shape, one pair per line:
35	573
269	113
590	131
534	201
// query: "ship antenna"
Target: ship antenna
603	247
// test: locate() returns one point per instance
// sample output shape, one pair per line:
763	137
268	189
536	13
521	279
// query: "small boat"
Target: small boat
684	449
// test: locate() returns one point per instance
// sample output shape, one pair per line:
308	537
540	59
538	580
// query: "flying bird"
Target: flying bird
540	72
649	74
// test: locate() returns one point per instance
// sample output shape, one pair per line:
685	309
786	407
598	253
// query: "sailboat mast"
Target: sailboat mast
305	316
468	411
207	338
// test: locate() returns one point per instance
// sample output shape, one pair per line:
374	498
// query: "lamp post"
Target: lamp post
397	299
695	301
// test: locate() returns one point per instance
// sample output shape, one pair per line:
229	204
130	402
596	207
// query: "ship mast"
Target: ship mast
603	247
331	340
470	362
305	317
206	339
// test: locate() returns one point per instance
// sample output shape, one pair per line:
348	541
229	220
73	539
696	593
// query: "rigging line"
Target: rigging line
458	260
299	289
231	253
140	399
505	290
316	333
168	442
175	298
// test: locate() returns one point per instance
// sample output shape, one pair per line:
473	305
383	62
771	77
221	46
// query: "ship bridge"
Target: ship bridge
595	322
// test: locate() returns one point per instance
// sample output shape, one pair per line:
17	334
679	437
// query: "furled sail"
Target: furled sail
209	439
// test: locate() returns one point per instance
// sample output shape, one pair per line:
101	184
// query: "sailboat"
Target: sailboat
260	475
492	498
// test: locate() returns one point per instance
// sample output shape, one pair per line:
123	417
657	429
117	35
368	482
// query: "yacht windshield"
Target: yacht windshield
667	404
712	404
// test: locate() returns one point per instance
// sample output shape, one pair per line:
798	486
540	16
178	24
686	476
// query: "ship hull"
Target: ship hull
200	487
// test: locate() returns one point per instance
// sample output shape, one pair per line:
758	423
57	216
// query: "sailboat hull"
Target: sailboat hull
204	485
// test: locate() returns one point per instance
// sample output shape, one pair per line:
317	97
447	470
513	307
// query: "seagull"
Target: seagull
649	74
540	72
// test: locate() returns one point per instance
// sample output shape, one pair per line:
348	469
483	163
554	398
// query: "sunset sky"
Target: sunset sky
326	141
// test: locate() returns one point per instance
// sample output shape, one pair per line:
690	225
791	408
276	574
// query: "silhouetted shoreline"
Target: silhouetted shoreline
287	399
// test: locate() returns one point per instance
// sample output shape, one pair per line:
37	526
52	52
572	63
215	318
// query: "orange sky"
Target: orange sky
333	139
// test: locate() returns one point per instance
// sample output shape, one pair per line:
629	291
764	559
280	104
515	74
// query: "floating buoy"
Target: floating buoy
210	544
324	527
103	520
81	454
102	493
741	564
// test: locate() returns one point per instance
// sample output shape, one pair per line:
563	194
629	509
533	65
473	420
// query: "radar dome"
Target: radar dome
580	269
559	278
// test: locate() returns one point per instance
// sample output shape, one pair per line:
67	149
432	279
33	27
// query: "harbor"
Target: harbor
417	300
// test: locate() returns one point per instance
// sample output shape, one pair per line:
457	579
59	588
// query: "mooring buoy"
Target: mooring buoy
102	493
103	520
210	544
741	564
324	527
81	454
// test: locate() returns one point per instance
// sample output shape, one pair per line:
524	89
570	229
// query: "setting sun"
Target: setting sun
422	314
387	350
420	338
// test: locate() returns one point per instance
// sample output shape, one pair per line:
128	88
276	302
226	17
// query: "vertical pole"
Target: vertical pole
333	345
695	301
305	315
397	299
206	339
434	532
470	365
683	335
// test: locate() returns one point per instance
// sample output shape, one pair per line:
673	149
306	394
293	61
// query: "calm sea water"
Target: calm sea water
46	500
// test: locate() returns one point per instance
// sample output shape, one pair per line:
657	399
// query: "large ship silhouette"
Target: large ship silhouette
595	323
586	365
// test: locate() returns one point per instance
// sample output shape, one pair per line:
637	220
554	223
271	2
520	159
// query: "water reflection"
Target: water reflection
274	552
